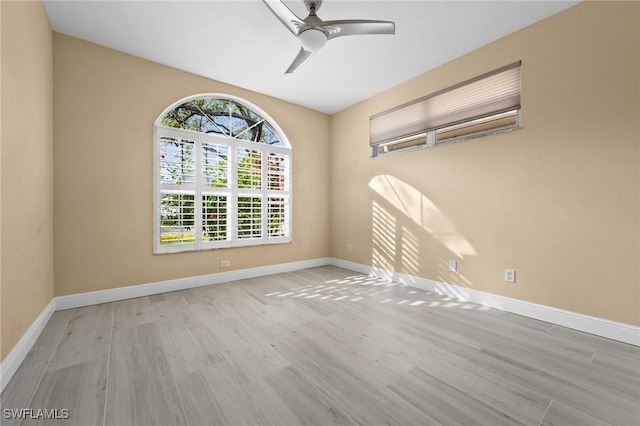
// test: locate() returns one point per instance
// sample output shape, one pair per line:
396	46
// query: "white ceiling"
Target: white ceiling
241	42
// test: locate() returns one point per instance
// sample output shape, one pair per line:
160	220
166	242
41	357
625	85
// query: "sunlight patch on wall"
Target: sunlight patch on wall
394	247
410	252
421	210
384	238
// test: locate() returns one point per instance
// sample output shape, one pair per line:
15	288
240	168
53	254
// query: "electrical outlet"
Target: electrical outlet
453	266
510	275
348	246
225	263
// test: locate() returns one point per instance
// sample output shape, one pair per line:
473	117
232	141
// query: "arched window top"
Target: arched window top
223	115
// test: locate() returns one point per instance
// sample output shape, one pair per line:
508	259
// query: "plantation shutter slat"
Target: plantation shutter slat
492	93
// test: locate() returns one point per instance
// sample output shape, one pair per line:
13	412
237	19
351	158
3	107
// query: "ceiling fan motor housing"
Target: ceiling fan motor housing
312	5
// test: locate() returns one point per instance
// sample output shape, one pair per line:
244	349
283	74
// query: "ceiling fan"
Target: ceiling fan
314	33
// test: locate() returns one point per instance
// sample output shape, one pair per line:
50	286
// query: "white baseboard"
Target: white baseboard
121	293
19	352
600	327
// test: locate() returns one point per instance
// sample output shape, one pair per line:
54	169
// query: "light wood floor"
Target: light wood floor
320	346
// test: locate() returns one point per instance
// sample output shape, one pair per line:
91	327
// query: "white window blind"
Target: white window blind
214	192
492	93
250	217
278	216
222	177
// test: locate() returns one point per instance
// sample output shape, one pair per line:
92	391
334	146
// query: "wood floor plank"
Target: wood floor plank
511	328
513	320
48	341
86	338
516	344
216	395
592	400
133	312
141	390
413	335
550	356
20	389
172	299
597	342
310	404
246	346
198	294
562	415
272	404
610	362
512	399
189	347
329	364
445	404
78	388
342	339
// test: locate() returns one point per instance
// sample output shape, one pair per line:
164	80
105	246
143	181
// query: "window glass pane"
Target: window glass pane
217	113
176	219
214	218
249	169
269	136
215	165
278	217
487	124
255	117
278	165
407	143
176	161
240	121
249	217
199	115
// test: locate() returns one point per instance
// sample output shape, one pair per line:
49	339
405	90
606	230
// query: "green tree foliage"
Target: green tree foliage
221	116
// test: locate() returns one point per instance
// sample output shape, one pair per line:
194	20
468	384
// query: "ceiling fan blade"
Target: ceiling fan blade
341	28
285	15
300	60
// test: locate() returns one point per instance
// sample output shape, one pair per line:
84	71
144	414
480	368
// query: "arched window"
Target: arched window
222	173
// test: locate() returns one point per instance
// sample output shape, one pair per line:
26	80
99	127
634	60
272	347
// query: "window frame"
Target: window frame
420	123
430	139
231	191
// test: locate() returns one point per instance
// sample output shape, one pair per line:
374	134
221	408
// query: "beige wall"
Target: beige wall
557	200
26	168
105	105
